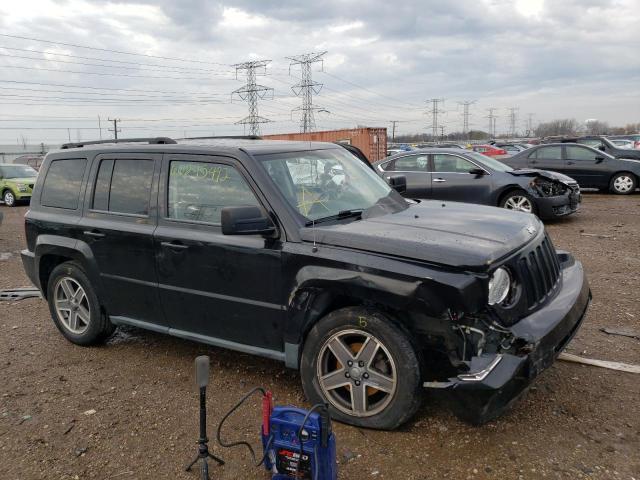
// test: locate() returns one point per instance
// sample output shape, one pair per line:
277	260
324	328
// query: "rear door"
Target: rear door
415	167
215	288
451	180
118	223
547	158
588	167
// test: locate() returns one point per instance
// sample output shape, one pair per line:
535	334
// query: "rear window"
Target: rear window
123	186
62	184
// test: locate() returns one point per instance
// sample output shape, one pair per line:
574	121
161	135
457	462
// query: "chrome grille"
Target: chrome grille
539	272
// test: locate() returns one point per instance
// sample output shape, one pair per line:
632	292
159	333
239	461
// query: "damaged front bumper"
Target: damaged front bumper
558	206
494	381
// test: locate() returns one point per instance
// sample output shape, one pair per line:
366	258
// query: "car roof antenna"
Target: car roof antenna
313	228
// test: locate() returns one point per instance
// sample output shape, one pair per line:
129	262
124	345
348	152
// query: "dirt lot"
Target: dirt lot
576	421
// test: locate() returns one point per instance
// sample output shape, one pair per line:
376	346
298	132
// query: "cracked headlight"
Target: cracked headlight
548	188
21	187
499	286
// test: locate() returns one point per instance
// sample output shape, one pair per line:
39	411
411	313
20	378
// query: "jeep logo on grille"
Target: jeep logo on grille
531	230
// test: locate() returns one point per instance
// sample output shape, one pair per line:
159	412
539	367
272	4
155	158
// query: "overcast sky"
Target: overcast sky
550	59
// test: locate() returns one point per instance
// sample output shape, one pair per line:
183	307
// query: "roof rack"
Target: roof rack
232	137
149	140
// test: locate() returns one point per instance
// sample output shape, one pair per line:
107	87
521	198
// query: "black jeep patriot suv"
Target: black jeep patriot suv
297	251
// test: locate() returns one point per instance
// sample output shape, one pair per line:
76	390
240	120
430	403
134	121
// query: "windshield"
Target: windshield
326	183
17	171
489	162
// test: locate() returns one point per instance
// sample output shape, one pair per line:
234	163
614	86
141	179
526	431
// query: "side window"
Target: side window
444	163
580	153
198	191
62	184
412	163
123	186
549	153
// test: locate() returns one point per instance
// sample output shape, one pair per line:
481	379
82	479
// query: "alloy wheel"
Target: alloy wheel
72	305
356	373
519	203
9	198
623	184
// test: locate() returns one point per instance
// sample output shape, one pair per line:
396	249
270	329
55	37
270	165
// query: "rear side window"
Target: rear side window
549	153
412	163
199	191
123	186
62	184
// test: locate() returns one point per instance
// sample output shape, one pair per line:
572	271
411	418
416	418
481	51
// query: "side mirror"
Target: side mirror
601	148
599	159
246	221
398	183
477	171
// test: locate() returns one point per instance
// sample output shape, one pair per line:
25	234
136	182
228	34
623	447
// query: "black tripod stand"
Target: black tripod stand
202	377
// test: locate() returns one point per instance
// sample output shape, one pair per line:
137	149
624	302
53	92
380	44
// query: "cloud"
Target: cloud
565	58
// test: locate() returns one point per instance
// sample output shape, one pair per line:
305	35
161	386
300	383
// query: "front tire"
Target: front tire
9	198
364	367
520	201
74	306
623	183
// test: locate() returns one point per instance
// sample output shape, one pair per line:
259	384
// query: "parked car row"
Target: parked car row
466	176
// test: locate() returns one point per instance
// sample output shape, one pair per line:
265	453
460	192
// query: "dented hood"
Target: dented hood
530	172
455	234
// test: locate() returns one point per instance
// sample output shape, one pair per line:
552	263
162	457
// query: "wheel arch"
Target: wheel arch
404	301
53	250
509	189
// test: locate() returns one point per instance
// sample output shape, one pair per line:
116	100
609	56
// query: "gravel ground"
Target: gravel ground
128	409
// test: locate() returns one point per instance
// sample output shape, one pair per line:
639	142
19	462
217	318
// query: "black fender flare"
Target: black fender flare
71	248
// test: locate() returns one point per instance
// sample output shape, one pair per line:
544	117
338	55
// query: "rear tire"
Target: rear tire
623	183
381	388
520	201
74	306
9	198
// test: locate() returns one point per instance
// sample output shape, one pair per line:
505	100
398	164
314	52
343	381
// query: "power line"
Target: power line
22	57
110	51
68	55
104	88
251	92
103	74
306	88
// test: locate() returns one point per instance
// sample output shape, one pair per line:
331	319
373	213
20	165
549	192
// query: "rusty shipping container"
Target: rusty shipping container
372	141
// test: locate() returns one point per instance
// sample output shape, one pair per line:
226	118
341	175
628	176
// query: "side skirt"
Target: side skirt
216	342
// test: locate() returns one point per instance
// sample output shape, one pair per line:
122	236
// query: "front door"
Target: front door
586	166
215	287
118	223
451	180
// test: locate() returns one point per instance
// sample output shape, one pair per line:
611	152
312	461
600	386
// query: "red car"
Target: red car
489	150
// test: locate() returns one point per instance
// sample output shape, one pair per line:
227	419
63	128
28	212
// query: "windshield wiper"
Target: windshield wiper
339	216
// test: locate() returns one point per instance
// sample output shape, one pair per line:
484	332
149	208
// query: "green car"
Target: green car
16	183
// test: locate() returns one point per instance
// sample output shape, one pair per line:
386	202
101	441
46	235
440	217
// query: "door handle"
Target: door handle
94	233
533	161
570	163
174	246
439	180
